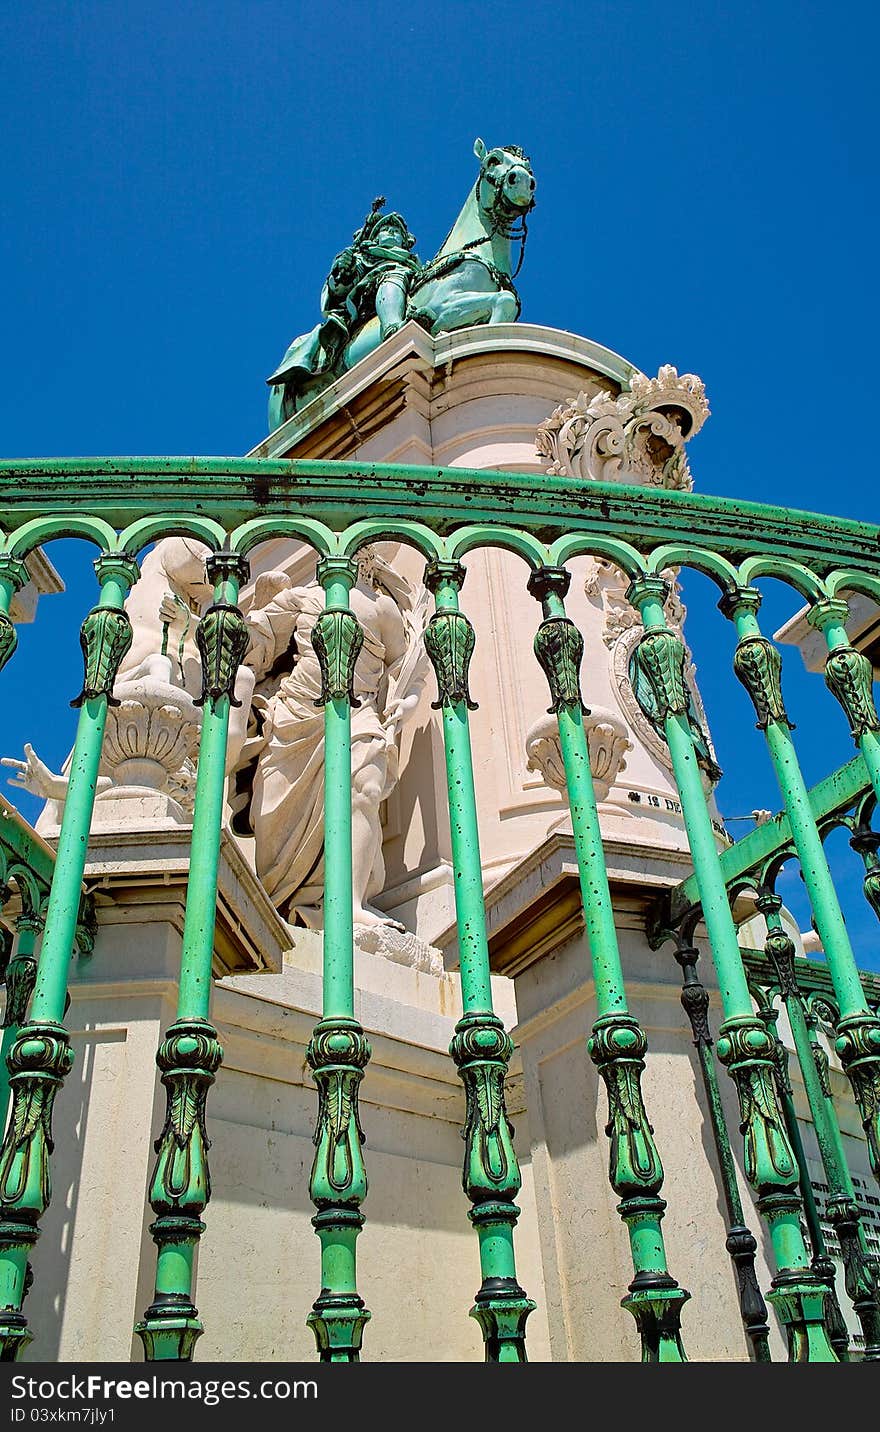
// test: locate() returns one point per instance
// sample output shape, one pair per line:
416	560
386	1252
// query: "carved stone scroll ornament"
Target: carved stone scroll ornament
637	436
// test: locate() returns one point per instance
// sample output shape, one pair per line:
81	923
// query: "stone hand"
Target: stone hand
168	608
34	776
397	712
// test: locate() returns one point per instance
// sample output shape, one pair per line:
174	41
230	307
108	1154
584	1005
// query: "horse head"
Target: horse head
505	187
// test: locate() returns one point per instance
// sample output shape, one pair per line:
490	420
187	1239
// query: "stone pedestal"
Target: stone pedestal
537	937
258	1264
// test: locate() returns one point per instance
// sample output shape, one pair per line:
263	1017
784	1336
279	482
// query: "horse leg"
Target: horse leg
506	307
464	311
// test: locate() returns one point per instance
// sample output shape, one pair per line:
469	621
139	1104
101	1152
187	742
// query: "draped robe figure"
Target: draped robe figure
287	802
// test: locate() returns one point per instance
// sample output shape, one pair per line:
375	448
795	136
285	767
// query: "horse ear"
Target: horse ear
480	149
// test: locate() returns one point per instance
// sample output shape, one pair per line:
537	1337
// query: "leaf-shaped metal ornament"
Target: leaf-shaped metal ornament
39	1061
559	647
758	665
222	639
21	976
481	1050
617	1048
189	1058
858	1047
747	1052
105	636
8	639
337	1054
450	642
337	638
849	675
659	659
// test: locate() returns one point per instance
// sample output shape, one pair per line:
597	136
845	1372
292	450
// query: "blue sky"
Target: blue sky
178	176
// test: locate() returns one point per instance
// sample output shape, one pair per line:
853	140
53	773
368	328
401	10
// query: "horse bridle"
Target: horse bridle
502	222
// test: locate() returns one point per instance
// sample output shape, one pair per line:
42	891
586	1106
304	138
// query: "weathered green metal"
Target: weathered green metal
740	1243
830	797
865	841
449	642
377	282
744	1046
559	647
338	1051
190	1053
617	1044
21	972
19	977
13	576
446	513
859	1031
105	637
822	1265
861	1270
222	640
480	1047
860	1277
63	493
337	638
40	1057
848	675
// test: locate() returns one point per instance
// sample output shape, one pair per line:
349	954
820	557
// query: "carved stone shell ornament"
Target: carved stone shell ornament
607	742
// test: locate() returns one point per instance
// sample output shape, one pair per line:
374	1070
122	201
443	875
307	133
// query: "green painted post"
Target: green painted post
481	1048
740	1243
190	1053
822	1265
617	1044
861	1273
849	677
13	576
21	973
338	1051
758	665
744	1045
40	1058
859	1276
866	843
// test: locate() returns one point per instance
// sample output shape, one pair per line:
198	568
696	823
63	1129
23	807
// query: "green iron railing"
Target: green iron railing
845	799
232	505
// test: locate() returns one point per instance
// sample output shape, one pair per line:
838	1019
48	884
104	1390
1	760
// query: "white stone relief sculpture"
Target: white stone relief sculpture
282	765
607	742
147	770
638	436
276	741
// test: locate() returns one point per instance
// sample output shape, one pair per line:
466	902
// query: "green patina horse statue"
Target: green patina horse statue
470	281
